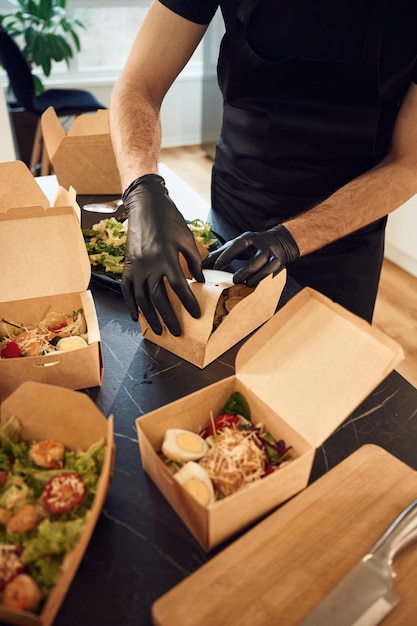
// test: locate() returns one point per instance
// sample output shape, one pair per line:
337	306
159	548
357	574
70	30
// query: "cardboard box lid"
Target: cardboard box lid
18	188
70	416
83	156
314	362
49	256
47	253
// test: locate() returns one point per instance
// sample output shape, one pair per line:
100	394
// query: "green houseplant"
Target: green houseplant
45	32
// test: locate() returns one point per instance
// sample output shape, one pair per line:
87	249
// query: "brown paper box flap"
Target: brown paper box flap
88	166
90	124
314	362
195	333
49	256
83	157
68	197
90	315
70	417
19	188
93	125
207	295
52	131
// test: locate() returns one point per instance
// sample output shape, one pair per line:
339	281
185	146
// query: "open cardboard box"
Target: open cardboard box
82	157
198	344
50	412
47	267
302	374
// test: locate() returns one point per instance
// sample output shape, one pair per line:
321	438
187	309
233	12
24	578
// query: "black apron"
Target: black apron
293	132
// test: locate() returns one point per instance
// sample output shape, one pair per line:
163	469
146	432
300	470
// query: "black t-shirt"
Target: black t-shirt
321	29
307	138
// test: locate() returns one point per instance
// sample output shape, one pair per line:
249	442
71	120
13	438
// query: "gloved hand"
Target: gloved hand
156	234
268	253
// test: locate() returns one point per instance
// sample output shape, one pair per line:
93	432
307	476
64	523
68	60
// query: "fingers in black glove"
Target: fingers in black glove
157	233
267	253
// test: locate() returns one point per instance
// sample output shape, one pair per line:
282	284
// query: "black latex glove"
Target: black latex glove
156	234
267	253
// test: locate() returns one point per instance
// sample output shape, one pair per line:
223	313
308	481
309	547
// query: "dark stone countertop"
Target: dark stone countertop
140	547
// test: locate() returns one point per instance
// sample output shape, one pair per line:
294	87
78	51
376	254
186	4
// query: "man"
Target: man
318	144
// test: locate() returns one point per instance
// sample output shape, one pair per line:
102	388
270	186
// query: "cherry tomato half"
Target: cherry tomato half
3	477
58	326
226	420
10	351
63	492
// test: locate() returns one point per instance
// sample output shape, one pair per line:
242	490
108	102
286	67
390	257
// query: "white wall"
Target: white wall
181	113
192	106
401	237
182	110
7	148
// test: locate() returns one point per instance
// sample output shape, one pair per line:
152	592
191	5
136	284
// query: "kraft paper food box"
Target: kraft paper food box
200	343
83	156
71	417
302	373
47	269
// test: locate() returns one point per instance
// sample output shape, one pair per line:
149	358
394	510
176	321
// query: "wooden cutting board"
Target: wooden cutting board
278	571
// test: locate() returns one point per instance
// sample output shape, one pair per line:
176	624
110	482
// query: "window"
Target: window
110	28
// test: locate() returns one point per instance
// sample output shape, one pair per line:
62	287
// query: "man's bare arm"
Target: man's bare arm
162	47
370	196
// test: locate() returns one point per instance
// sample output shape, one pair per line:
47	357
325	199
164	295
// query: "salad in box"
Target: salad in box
56	462
46	310
301	374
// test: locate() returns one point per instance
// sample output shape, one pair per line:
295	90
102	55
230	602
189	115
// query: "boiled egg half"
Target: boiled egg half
183	445
196	481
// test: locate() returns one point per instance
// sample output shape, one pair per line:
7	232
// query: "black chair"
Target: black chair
66	102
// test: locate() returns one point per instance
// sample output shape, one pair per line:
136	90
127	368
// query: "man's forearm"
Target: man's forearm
370	196
359	203
162	47
135	133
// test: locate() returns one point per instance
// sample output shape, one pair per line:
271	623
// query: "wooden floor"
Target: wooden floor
396	306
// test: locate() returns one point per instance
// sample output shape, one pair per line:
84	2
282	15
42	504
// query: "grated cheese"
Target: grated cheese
36	340
10	562
234	460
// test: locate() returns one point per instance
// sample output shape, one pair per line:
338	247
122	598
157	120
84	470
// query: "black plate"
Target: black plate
88	219
100	278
